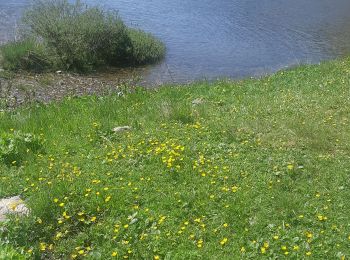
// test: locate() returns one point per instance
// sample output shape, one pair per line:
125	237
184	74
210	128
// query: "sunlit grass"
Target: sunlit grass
260	168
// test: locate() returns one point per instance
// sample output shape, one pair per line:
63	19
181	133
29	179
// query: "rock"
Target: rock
13	205
121	129
59	72
197	101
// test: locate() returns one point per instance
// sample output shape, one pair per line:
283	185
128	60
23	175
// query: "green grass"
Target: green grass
259	169
26	55
9	253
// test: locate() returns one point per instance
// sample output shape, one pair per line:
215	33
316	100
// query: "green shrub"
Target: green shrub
15	146
26	54
145	47
73	36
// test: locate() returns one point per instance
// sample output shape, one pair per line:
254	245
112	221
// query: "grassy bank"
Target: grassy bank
224	170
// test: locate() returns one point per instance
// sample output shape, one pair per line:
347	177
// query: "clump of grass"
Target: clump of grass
16	146
8	252
26	54
74	36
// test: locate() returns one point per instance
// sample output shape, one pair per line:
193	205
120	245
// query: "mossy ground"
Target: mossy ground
259	168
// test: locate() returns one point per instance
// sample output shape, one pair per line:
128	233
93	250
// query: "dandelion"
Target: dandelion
243	250
200	243
223	241
114	254
42	246
107	198
308	253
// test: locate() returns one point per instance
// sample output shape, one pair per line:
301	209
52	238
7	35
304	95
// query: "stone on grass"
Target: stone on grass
197	101
121	129
13	205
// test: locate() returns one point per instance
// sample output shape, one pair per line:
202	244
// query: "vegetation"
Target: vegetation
77	37
224	170
7	252
25	54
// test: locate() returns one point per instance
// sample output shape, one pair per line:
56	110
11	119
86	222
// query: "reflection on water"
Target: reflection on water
227	38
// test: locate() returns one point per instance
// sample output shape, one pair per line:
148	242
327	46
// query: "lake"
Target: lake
226	38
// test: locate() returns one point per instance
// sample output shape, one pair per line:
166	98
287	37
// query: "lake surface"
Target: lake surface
226	38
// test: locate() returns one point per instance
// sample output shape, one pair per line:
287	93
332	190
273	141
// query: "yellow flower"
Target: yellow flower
290	167
93	219
223	241
263	250
308	235
243	249
42	246
156	257
61	204
284	248
266	245
114	254
225	225
108	199
296	248
55	200
308	253
80	252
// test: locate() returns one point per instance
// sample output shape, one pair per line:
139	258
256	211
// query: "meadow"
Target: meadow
257	168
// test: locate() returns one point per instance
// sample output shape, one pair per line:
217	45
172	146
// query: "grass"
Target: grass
7	252
26	55
259	169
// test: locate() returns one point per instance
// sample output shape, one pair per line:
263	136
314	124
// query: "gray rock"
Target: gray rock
197	101
121	129
13	205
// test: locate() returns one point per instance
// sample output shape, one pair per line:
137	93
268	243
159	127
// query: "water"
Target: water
226	38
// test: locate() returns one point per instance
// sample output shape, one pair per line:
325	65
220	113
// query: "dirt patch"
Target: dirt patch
23	88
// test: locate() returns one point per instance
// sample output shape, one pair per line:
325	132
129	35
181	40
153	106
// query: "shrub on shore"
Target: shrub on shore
81	38
145	48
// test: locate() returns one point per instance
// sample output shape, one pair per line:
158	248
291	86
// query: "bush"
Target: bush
145	47
76	37
26	54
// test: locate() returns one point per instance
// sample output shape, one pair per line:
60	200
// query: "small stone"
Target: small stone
59	72
121	129
13	205
197	101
